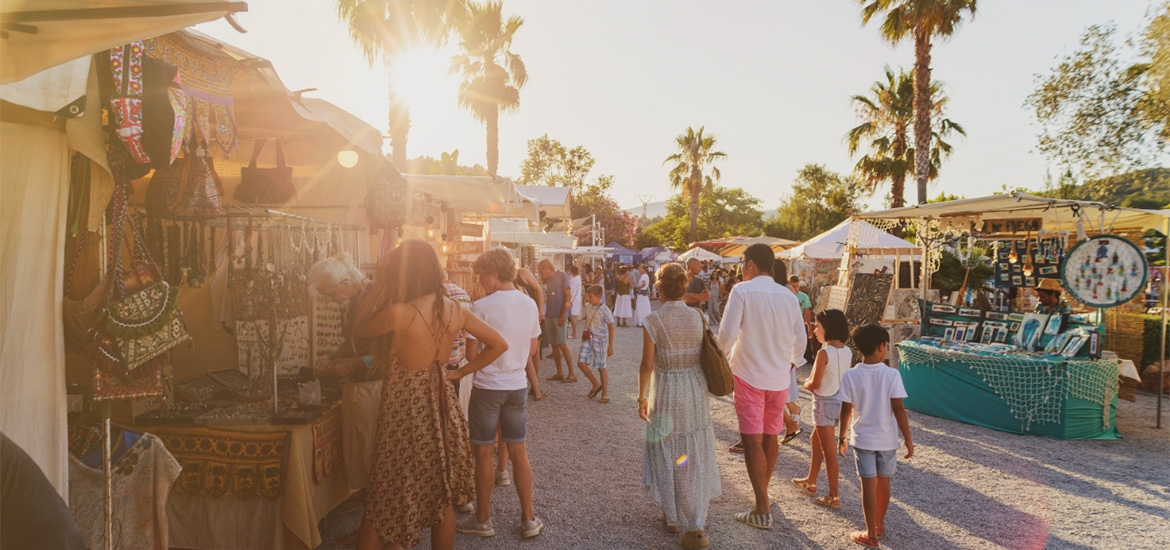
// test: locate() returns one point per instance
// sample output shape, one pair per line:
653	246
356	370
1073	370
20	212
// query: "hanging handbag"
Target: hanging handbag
389	199
266	185
189	189
716	368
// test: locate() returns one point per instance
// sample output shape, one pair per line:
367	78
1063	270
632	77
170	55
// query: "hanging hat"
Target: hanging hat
1051	285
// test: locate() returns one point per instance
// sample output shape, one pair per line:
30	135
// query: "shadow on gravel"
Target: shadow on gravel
952	503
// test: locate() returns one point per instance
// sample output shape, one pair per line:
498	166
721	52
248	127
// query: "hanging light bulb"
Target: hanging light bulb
446	245
431	229
1028	268
1012	256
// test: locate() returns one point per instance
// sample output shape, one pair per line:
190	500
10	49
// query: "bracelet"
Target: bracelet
641	400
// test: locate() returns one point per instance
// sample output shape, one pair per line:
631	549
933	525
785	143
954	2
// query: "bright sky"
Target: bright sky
771	80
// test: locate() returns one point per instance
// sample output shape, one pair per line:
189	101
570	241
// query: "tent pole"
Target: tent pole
1162	357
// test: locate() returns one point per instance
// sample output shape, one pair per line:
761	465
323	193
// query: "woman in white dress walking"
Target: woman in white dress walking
680	471
642	296
624	306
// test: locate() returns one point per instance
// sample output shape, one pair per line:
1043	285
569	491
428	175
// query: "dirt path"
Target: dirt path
966	487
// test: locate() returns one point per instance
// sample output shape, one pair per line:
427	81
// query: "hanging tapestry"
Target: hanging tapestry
206	78
326	442
1105	271
215	461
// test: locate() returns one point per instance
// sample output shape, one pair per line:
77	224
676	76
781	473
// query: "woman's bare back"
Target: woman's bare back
419	338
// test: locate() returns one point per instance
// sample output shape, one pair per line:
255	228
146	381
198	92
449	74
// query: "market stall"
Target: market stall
1036	369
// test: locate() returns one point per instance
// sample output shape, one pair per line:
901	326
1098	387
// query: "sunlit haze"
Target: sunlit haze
771	80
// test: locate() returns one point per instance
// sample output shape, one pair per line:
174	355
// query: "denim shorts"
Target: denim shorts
489	409
876	463
826	410
554	332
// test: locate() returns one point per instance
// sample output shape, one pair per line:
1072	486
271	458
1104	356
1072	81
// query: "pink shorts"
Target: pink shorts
759	411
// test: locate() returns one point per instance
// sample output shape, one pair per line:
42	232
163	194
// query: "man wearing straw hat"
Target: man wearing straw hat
1048	291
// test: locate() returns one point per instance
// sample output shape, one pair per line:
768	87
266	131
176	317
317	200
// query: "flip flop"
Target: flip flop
862	538
569	380
593	392
540	397
737	448
555	377
604	400
752	519
791	436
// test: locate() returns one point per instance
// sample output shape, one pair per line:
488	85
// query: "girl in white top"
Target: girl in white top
832	361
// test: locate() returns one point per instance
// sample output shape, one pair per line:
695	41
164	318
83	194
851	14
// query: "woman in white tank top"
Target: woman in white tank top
832	361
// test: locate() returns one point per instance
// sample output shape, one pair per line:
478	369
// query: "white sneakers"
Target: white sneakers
469	525
531	528
502	479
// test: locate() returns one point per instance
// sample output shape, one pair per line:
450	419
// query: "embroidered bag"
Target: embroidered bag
389	198
188	189
266	185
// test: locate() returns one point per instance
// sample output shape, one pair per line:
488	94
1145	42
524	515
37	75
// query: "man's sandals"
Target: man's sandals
790	436
863	538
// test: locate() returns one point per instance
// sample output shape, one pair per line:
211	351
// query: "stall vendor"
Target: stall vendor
1050	301
338	280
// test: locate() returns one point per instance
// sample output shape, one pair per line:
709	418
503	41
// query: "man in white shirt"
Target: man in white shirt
499	394
763	334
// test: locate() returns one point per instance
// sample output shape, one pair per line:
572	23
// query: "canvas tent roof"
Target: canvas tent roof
831	243
511	230
556	202
737	245
493	197
46	33
699	254
1058	214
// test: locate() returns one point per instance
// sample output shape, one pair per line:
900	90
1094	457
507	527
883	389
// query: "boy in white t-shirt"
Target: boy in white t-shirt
875	392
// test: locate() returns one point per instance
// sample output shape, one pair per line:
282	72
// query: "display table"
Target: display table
204	520
1012	392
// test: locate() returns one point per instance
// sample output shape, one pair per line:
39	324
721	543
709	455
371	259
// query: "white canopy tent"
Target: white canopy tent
831	244
515	231
34	184
700	254
492	197
556	202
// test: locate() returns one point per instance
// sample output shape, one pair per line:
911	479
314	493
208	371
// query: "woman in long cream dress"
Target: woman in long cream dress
680	471
422	456
624	306
641	296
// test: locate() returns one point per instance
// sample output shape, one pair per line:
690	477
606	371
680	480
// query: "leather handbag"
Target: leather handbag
189	189
266	185
716	368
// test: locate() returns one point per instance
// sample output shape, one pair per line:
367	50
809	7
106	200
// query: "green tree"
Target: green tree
385	29
1156	48
492	73
722	212
694	154
920	21
1098	113
886	115
446	165
594	200
551	163
820	200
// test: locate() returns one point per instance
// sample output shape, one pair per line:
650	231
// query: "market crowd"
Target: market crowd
438	380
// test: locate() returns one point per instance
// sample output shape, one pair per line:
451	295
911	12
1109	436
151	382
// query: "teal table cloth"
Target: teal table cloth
1011	391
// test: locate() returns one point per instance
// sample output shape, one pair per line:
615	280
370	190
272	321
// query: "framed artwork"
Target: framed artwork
1094	345
1017	280
988	334
1001	335
1080	318
1055	322
1057	344
941	322
942	308
970	312
971	330
1029	281
1105	271
997	316
949	334
1049	270
1075	342
1014	326
1030	330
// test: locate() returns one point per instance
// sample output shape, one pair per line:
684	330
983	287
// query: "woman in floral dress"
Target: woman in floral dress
679	469
422	456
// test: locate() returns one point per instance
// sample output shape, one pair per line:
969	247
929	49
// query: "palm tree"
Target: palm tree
492	74
921	20
384	29
695	152
887	115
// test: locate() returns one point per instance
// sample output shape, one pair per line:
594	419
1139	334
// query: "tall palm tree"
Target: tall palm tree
492	74
384	29
695	152
887	115
920	20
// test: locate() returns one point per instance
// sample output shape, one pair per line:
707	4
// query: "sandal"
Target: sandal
737	448
540	397
569	380
759	521
604	400
670	527
593	392
791	436
880	532
809	489
694	541
863	538
555	377
830	502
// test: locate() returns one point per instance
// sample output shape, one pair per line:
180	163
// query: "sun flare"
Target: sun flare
421	78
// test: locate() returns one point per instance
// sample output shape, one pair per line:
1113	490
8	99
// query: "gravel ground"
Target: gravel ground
966	486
